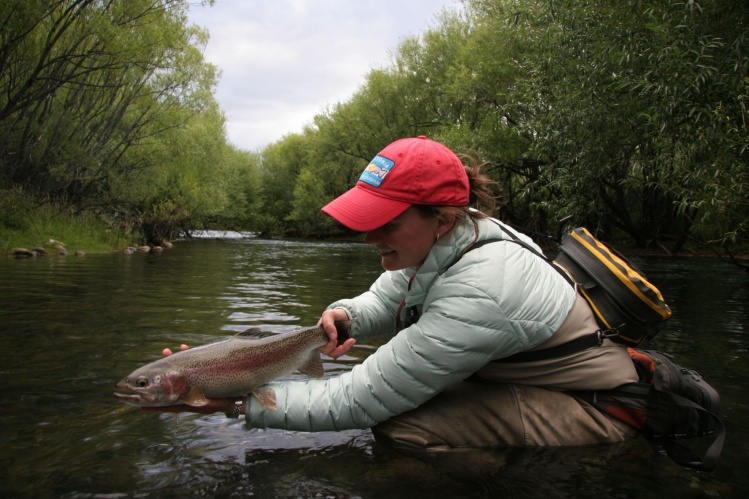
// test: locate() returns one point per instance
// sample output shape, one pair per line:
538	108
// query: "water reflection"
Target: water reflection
70	327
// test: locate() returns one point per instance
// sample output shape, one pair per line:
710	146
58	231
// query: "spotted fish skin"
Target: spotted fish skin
233	367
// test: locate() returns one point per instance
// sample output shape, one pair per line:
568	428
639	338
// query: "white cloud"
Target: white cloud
283	61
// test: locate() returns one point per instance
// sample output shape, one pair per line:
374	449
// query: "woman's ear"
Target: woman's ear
445	222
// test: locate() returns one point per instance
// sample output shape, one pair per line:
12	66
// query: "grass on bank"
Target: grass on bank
27	224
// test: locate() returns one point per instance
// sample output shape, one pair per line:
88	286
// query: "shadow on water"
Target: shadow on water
71	327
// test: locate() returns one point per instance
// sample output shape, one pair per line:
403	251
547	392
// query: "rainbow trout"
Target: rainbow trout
234	367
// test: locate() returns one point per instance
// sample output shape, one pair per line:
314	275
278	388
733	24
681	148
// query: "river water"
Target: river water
70	327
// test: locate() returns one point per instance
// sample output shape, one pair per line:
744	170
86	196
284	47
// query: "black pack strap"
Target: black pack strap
686	457
640	397
560	270
472	247
592	340
517	240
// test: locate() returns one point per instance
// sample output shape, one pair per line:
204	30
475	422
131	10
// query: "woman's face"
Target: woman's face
406	240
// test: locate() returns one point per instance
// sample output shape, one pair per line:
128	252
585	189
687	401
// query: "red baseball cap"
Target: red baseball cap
407	172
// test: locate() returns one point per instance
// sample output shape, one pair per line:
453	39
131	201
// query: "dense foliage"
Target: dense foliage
627	117
107	107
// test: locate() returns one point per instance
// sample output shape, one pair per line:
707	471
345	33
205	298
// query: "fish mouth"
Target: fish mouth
132	396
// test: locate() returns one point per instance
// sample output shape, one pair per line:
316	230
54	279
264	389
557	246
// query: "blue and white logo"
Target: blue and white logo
376	170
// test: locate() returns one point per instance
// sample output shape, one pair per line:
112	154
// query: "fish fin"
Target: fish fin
266	396
254	333
194	397
313	365
175	383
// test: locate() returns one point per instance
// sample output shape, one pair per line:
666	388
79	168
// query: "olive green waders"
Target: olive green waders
481	414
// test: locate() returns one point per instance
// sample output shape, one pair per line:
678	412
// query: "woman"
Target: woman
454	313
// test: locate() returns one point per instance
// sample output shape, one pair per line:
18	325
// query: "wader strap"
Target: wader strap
592	340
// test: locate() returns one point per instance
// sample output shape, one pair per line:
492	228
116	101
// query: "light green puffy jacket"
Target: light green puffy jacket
496	301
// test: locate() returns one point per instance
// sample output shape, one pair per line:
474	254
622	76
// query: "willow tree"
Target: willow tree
627	117
89	90
640	110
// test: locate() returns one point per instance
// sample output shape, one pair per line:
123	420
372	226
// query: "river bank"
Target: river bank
71	235
68	238
32	231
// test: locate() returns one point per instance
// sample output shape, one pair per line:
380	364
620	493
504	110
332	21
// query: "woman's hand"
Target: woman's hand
333	349
168	351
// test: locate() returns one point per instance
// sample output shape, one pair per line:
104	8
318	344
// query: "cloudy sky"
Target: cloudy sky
284	61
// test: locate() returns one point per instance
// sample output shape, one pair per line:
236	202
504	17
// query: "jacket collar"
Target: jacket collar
444	252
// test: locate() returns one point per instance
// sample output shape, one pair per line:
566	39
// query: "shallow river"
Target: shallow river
70	327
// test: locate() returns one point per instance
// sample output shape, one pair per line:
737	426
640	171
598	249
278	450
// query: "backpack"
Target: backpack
622	298
668	402
627	307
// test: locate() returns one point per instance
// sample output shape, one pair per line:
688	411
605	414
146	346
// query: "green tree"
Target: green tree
309	197
186	184
91	96
280	166
627	128
240	179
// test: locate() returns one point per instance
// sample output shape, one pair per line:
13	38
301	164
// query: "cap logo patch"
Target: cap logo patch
376	170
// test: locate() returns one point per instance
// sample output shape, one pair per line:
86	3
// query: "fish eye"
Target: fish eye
141	382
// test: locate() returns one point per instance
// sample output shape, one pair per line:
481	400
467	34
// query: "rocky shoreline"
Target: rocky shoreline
58	248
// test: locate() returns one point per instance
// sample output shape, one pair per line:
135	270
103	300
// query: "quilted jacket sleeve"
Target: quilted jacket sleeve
473	314
374	312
